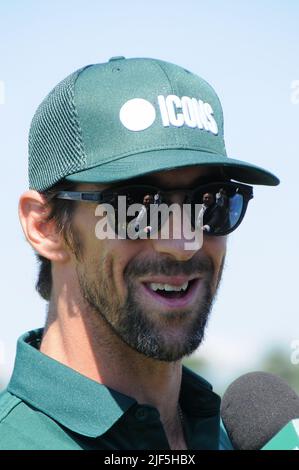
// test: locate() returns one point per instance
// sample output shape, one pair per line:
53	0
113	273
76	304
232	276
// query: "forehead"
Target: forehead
176	178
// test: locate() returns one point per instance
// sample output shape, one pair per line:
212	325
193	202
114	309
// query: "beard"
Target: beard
164	336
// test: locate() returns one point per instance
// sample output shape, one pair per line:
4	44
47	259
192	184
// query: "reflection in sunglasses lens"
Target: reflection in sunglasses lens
221	208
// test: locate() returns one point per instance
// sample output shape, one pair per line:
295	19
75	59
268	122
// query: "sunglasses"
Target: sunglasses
222	205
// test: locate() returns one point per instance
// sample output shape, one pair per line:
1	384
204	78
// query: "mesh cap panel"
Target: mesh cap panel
55	130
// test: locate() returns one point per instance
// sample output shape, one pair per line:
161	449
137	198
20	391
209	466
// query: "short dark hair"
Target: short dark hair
61	211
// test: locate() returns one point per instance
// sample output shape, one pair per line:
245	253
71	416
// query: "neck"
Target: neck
83	341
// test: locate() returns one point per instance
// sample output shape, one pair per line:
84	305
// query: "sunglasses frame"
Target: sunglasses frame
107	195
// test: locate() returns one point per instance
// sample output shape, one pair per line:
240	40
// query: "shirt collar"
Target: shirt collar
81	404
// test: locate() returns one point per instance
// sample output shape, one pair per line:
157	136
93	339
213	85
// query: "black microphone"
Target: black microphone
256	408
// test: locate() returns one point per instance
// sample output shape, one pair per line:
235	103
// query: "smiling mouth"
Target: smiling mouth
168	291
172	296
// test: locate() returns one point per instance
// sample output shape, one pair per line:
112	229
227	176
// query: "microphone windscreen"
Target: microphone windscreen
255	407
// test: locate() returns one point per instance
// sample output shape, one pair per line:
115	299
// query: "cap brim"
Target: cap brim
141	164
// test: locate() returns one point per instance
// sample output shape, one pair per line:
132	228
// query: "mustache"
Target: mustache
168	267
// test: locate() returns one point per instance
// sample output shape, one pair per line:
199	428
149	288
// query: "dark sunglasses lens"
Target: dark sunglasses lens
222	209
138	203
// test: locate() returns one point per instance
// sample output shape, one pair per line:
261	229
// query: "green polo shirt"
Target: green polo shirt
50	406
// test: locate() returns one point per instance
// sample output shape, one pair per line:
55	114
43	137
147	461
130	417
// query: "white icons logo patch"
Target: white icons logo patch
139	114
187	111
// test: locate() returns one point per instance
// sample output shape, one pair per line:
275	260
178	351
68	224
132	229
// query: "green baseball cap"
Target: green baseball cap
127	118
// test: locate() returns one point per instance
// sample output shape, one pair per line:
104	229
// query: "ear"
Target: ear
42	234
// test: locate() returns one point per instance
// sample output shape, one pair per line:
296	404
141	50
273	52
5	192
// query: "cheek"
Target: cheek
93	249
215	248
119	253
109	259
104	259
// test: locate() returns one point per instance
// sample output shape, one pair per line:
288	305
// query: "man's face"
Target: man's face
208	199
154	294
147	200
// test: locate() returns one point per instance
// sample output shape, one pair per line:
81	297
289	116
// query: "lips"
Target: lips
171	293
167	288
172	280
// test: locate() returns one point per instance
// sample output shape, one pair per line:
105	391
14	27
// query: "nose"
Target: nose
177	238
174	248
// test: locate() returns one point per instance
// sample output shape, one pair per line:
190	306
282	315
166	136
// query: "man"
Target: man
214	216
142	220
105	372
221	198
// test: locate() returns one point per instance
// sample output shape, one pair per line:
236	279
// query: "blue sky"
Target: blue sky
249	52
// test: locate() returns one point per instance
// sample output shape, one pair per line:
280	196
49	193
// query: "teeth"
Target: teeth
167	287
